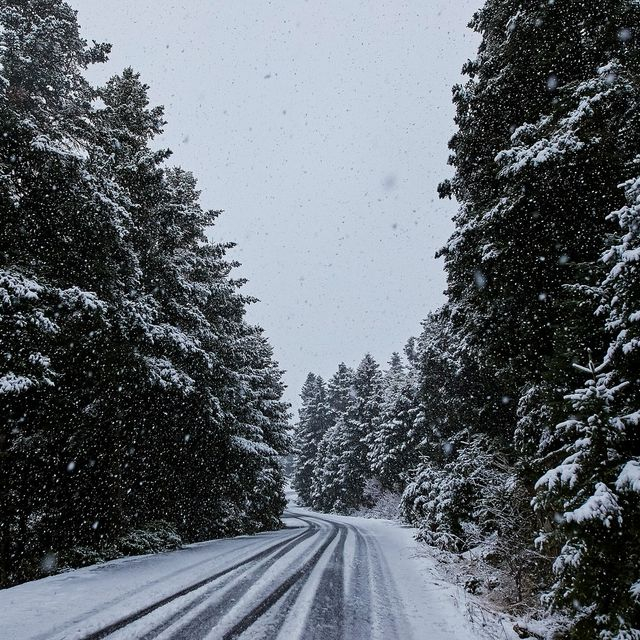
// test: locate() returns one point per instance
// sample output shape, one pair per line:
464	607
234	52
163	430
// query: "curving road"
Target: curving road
322	578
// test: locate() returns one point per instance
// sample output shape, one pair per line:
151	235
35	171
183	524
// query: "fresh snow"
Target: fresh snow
368	579
629	477
602	506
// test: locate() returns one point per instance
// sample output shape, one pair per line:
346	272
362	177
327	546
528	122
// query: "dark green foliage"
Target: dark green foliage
394	444
593	494
534	203
132	390
540	274
335	427
359	423
312	425
548	131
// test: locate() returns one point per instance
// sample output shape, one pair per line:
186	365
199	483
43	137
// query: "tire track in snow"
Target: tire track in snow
343	591
384	595
357	611
128	594
294	582
326	618
200	625
141	613
315	610
318	609
369	589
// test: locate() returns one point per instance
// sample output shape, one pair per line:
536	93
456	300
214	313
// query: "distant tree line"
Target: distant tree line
518	419
359	426
137	406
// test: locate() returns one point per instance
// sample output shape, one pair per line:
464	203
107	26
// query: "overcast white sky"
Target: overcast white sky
321	129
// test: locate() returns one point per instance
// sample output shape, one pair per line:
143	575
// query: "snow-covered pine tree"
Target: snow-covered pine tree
312	425
593	495
356	426
129	377
437	498
569	163
341	467
531	211
175	405
394	444
340	391
325	486
547	132
451	386
211	389
258	438
64	261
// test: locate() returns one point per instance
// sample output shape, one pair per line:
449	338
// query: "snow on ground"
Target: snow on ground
74	603
324	577
430	605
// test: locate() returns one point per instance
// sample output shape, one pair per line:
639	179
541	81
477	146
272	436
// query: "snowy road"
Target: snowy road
323	578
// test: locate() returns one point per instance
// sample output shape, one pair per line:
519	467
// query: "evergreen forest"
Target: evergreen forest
513	420
141	410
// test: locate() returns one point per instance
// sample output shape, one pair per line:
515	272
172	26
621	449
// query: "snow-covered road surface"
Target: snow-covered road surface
323	578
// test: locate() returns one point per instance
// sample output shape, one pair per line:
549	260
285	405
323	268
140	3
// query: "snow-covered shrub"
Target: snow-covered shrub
384	503
152	538
450	504
267	501
478	502
434	503
85	556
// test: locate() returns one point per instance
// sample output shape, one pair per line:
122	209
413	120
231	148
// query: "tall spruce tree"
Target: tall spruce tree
583	147
394	444
547	132
340	391
312	426
353	431
328	489
325	486
593	494
65	259
528	219
341	467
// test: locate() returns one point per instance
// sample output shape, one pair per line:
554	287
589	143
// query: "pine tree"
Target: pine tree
64	260
328	490
312	425
594	493
535	184
340	467
133	389
200	354
340	391
587	145
547	132
353	431
393	446
258	438
442	490
325	485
